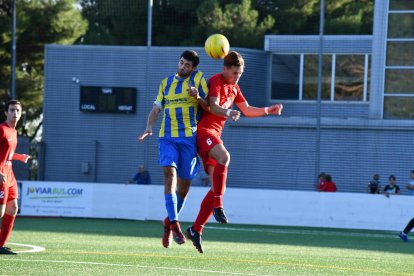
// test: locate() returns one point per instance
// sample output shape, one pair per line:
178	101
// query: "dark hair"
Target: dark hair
392	177
233	59
12	102
191	56
328	178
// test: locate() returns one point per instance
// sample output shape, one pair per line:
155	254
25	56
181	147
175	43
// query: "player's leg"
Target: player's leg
168	158
195	231
222	156
183	187
8	208
407	229
187	169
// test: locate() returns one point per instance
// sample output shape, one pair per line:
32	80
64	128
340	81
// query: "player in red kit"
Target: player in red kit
223	92
8	184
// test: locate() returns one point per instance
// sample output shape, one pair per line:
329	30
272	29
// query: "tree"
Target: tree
115	22
302	16
238	22
38	23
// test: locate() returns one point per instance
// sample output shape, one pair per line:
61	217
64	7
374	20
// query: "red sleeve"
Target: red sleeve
214	87
239	97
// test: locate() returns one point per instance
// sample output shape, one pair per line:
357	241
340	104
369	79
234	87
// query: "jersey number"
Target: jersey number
1	194
209	142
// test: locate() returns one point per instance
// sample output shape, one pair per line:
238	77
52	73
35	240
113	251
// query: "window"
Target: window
399	69
344	77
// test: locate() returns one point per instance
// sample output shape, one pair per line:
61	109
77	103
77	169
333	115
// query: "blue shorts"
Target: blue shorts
180	153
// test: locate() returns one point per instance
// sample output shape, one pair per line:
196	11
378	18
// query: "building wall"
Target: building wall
271	152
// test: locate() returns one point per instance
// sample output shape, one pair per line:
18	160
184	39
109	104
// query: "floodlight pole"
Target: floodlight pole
319	96
13	65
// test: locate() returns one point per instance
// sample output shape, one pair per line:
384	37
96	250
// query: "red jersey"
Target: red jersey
227	95
328	186
8	143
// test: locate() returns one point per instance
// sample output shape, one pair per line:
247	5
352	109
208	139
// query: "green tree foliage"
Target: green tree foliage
38	23
115	22
238	22
295	17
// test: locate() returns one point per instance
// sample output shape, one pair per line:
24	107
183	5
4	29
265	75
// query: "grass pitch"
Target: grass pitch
123	247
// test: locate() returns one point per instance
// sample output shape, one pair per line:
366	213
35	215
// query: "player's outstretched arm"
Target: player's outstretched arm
21	157
152	118
252	111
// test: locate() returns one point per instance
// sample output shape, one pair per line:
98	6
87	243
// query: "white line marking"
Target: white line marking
140	266
307	232
34	248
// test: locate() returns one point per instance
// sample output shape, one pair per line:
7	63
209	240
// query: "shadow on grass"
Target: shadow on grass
383	241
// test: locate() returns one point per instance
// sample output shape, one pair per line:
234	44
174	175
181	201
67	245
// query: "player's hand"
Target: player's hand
26	158
234	115
193	92
147	132
275	109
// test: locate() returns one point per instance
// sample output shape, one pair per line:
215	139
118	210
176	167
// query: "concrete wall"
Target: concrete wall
242	206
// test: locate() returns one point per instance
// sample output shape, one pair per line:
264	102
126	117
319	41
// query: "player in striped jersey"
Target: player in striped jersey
177	137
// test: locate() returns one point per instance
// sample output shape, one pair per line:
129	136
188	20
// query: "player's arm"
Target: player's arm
204	103
21	157
152	118
252	111
216	109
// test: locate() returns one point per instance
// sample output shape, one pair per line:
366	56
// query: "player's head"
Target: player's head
189	61
13	111
233	67
392	179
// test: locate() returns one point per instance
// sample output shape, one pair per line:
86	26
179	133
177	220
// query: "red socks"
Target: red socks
6	228
219	184
206	210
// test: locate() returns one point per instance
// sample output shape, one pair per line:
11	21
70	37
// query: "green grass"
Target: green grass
122	247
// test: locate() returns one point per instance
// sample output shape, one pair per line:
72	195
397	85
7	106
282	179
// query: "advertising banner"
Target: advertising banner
56	199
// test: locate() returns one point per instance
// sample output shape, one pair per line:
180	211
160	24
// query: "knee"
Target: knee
224	158
12	210
168	176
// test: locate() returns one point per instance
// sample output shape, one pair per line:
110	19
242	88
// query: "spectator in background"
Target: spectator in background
410	185
374	186
391	188
328	185
321	180
142	176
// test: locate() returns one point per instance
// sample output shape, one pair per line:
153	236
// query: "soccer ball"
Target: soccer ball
217	46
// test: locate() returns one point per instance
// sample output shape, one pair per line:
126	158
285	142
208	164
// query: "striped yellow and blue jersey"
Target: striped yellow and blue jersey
181	111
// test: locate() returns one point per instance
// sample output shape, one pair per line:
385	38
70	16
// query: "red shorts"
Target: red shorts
205	142
8	193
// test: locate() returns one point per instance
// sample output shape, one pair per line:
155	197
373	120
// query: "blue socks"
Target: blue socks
171	206
174	204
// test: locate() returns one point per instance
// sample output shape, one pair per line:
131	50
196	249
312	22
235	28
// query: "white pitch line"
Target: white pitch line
305	232
140	266
34	248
